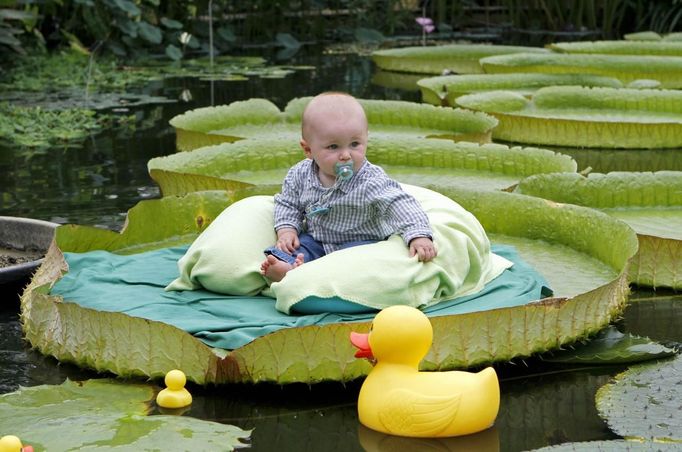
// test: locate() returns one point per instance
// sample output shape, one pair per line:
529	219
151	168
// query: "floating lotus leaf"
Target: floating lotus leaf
627	47
583	253
409	160
644	402
458	58
585	117
260	118
106	414
610	346
651	203
626	68
445	89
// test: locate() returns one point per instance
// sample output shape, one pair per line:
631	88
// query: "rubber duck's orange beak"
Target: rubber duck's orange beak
361	342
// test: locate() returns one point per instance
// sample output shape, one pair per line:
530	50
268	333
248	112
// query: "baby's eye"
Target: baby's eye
355	144
333	146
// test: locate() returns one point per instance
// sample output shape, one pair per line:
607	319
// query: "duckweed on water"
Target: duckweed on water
36	127
68	69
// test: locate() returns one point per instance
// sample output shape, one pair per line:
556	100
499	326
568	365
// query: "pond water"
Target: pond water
95	184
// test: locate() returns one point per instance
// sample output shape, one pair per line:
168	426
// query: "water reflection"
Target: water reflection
372	441
605	160
97	182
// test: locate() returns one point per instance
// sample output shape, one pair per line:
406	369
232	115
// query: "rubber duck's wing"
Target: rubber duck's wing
405	412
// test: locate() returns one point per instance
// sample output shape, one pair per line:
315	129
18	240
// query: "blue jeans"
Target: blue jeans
310	248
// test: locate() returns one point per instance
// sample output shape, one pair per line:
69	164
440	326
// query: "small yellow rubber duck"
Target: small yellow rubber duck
396	398
11	443
175	395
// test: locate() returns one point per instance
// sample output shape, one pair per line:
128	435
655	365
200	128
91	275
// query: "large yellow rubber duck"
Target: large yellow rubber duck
175	395
396	398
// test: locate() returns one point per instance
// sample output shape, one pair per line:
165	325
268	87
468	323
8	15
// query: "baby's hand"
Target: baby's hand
424	248
287	240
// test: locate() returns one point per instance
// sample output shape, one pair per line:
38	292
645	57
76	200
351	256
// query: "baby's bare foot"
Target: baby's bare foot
275	269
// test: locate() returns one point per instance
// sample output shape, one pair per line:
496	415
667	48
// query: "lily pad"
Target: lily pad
75	98
409	160
445	89
610	346
651	203
626	68
70	70
260	118
643	402
106	414
626	47
583	253
457	58
585	117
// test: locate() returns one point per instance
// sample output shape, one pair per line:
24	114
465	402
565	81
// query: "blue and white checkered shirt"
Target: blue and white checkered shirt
368	206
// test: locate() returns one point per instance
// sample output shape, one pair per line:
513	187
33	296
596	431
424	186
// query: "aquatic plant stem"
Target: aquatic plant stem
423	27
88	77
210	45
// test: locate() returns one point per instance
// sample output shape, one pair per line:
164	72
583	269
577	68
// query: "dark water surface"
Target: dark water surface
97	183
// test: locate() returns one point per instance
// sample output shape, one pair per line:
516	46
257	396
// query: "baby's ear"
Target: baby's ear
306	148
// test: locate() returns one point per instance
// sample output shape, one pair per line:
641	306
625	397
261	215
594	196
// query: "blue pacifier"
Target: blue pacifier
344	171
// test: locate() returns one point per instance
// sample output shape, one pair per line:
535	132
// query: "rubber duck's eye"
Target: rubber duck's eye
371	327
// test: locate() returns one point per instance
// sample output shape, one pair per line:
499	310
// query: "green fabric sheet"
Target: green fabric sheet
134	285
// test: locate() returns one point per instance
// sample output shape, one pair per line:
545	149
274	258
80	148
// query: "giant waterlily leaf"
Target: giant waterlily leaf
260	118
610	346
606	160
409	160
103	415
398	80
651	203
626	47
585	117
583	253
643	36
626	68
458	58
644	402
445	89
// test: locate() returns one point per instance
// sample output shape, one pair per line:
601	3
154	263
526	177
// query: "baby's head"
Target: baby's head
327	109
334	131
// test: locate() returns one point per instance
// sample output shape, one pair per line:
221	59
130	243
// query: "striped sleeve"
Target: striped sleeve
289	212
402	212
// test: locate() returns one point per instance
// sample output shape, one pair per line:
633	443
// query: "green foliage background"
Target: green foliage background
178	28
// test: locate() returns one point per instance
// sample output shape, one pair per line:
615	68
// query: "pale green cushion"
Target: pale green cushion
226	258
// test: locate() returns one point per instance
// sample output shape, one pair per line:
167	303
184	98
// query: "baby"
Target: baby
335	198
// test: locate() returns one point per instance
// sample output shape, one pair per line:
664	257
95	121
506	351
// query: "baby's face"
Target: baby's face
336	139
